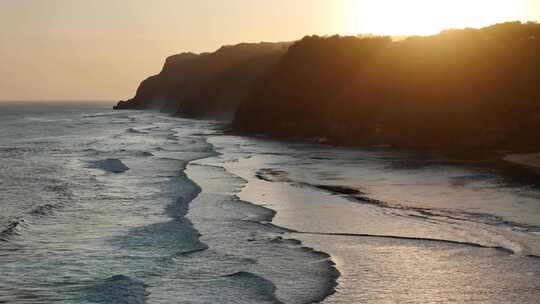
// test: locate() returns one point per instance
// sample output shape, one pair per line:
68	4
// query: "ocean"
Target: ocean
102	206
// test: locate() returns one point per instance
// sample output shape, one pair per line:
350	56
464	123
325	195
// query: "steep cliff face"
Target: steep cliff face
155	90
208	85
465	88
462	88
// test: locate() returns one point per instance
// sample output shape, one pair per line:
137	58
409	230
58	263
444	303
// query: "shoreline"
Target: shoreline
520	156
263	217
346	249
333	224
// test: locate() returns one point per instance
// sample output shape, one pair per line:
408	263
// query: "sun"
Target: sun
426	17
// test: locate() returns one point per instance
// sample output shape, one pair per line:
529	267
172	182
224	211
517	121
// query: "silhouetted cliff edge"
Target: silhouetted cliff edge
208	85
461	88
471	88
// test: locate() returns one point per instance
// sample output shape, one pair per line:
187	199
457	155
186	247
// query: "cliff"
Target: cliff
208	85
463	88
471	88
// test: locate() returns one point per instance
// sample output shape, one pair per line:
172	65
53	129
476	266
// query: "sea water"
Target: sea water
99	206
95	208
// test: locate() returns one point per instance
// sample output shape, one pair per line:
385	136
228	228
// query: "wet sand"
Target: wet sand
384	255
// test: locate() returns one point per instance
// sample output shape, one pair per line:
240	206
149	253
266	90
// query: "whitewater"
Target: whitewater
102	206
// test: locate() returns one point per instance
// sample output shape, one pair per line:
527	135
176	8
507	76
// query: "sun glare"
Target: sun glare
426	17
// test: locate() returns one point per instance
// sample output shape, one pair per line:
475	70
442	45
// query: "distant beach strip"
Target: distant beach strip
530	160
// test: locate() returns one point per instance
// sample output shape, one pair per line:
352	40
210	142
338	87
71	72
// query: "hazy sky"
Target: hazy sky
102	49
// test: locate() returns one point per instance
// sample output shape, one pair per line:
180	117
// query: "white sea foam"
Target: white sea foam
173	239
380	229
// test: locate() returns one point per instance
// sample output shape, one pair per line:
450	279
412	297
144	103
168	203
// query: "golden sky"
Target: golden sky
102	49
